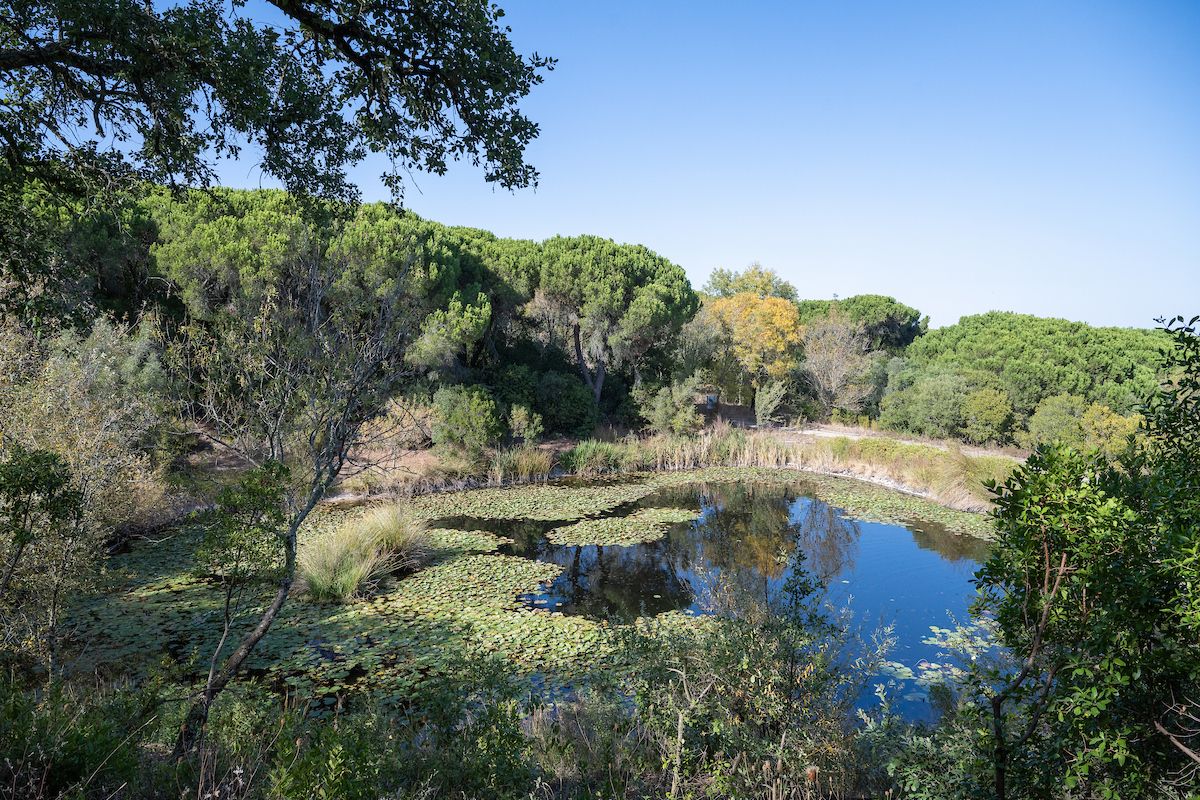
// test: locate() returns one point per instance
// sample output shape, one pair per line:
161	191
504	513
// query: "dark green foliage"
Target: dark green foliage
755	699
624	304
565	404
987	417
35	494
467	418
672	409
1033	358
516	385
1092	586
69	742
318	88
928	403
62	263
888	323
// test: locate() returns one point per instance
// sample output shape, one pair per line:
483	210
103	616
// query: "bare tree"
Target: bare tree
294	376
836	361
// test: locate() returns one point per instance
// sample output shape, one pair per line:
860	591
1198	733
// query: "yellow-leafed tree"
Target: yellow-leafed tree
763	332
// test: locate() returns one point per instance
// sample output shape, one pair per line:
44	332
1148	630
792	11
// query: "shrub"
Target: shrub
524	424
466	419
566	404
672	409
767	401
1108	431
1058	419
932	405
987	416
66	743
516	385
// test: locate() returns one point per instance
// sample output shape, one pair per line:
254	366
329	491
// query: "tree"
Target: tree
672	409
316	88
836	363
987	416
768	400
1032	358
620	302
292	369
929	402
41	525
763	332
1108	431
887	323
466	418
1092	583
754	279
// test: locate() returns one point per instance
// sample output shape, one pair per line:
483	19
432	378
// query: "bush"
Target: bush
524	424
987	416
767	401
566	404
672	409
1058	419
1108	431
930	406
66	743
467	419
516	385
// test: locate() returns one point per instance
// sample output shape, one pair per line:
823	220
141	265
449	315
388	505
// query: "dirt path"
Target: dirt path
816	431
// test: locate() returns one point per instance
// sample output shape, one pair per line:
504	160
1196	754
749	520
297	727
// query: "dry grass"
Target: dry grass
945	474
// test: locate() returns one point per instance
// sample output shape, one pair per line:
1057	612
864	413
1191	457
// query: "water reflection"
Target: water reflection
743	533
747	536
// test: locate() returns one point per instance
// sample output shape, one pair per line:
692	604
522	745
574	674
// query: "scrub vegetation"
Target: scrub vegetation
198	384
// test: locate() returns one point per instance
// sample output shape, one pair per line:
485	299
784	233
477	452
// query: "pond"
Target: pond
909	576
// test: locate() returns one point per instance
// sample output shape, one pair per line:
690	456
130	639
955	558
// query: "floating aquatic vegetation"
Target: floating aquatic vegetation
646	525
416	628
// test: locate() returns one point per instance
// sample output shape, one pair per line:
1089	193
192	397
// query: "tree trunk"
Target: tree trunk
595	383
12	568
197	716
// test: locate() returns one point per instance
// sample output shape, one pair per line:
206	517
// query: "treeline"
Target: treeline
514	338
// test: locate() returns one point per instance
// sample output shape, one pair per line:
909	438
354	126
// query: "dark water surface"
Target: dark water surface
909	576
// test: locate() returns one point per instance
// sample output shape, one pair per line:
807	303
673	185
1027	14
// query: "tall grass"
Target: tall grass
521	465
342	563
948	476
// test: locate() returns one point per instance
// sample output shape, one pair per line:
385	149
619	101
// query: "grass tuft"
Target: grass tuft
340	565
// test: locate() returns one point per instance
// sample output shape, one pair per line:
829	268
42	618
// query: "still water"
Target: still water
909	577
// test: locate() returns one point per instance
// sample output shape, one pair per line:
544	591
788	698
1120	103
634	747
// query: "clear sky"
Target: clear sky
1041	157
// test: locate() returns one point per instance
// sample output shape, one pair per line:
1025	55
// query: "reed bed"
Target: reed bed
947	476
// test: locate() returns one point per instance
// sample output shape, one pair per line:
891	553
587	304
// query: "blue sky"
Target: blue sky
1038	157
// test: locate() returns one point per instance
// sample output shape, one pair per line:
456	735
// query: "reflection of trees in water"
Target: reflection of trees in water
622	581
950	546
829	541
748	527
